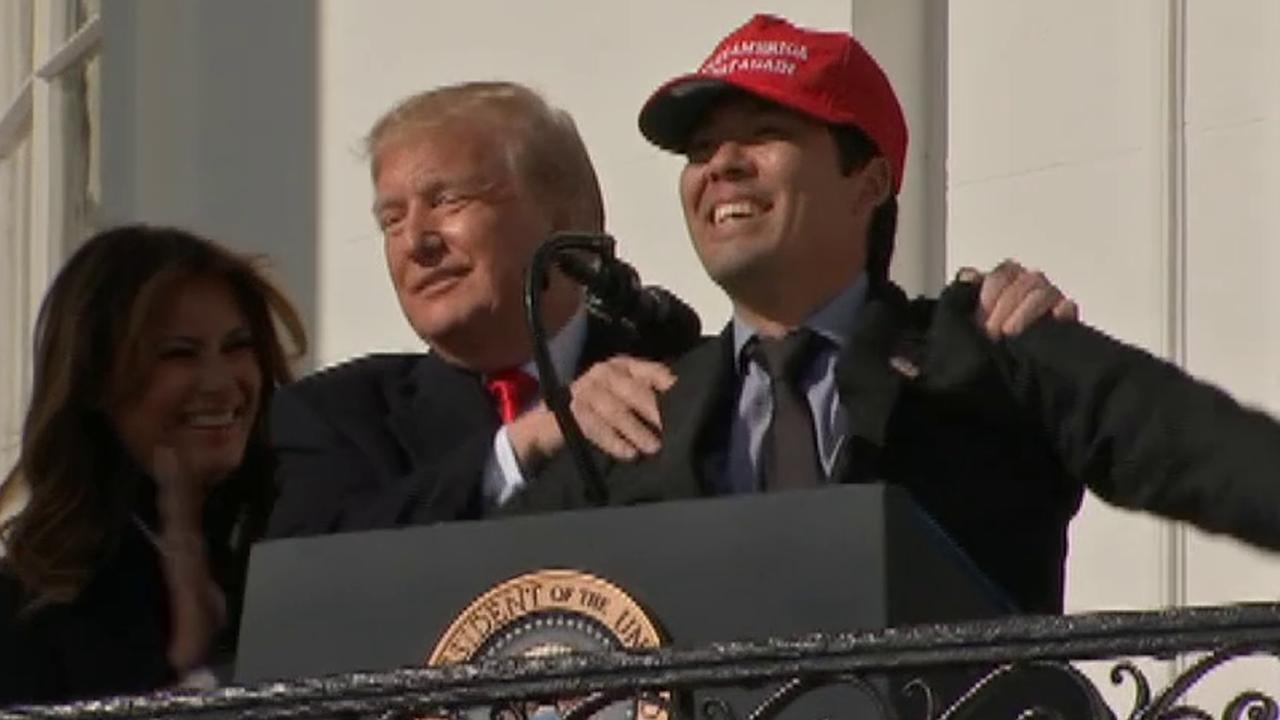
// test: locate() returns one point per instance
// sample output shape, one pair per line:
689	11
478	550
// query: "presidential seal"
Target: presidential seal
552	612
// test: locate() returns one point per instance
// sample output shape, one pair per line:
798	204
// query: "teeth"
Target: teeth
739	209
211	419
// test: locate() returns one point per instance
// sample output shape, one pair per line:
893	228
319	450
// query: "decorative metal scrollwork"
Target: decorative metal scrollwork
647	704
509	711
779	699
794	689
1023	662
716	708
1038	690
924	690
1252	705
1248	705
1141	688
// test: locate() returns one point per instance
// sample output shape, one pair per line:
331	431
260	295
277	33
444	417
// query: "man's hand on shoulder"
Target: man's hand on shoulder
1013	297
615	403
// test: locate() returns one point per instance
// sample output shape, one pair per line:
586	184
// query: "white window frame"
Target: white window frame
36	114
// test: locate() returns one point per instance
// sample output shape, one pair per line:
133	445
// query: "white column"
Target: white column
1060	154
909	38
209	115
1233	262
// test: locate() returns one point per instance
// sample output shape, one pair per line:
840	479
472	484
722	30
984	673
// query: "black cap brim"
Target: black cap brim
672	113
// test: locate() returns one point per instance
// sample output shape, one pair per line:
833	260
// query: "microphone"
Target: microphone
659	325
664	325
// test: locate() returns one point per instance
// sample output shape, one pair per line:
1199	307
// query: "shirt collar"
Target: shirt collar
565	347
834	320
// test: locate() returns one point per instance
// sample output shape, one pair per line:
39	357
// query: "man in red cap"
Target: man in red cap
795	145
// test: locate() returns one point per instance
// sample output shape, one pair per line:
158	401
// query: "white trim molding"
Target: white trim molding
43	151
15	123
1175	265
80	46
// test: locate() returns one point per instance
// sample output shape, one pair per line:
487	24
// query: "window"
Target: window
49	187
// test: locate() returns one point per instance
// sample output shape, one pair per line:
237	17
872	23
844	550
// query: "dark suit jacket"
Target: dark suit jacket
995	440
391	440
1144	435
968	454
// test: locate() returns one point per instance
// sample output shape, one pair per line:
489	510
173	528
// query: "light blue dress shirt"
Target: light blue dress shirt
833	321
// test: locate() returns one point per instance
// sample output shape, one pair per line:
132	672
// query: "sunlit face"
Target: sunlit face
187	416
459	231
765	201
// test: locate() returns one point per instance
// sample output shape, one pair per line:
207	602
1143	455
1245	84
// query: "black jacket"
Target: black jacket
967	453
114	636
391	440
112	639
1144	435
995	440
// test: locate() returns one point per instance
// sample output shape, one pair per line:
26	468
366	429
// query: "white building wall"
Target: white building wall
1233	241
1233	259
1130	149
597	60
209	122
1057	157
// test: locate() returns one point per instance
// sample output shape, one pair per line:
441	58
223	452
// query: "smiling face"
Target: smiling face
772	218
459	231
191	406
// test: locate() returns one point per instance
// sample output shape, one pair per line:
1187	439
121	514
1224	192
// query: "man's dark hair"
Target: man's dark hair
855	151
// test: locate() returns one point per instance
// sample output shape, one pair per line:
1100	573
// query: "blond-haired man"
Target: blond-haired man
469	180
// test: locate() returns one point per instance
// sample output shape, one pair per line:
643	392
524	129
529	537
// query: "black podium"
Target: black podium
718	569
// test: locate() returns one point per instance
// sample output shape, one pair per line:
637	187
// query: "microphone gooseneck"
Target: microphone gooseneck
655	318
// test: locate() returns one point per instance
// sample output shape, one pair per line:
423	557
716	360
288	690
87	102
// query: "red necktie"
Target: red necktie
512	388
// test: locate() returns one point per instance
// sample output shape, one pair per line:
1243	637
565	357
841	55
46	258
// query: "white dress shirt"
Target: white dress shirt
502	474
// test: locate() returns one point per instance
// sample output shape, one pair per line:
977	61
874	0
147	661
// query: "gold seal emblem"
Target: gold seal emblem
511	618
552	612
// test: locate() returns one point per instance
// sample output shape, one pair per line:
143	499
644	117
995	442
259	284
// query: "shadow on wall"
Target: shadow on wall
209	121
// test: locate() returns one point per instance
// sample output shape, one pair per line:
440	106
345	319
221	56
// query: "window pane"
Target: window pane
15	186
78	12
16	35
80	189
92	188
15	208
83	10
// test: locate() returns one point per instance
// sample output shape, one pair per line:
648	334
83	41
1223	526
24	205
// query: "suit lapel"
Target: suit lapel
437	405
869	375
695	414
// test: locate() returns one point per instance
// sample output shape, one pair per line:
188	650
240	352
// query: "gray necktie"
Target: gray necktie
789	455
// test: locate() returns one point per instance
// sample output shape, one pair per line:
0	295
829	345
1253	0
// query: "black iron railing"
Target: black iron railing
1018	668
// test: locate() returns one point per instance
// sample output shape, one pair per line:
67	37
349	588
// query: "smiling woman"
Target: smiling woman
145	459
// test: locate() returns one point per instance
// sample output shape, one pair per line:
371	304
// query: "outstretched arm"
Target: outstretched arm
1137	430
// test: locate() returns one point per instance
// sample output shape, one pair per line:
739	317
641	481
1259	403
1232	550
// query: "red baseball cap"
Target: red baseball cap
826	75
